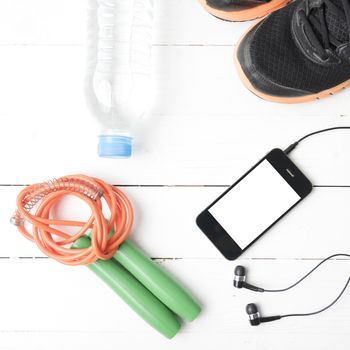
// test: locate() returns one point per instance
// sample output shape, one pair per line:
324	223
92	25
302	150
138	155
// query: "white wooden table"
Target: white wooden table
204	131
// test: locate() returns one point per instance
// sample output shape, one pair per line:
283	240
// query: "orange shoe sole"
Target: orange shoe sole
278	99
247	14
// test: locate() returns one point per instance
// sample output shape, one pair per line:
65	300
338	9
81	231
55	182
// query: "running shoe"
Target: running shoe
299	53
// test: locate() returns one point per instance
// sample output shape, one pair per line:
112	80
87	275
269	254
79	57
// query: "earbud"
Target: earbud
254	315
240	277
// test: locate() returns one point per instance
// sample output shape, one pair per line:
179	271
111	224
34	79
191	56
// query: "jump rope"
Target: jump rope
239	280
101	245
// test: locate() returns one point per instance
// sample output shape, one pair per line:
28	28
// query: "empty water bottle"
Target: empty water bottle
118	70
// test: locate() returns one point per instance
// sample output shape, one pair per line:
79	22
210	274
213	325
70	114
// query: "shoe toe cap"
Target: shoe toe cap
258	68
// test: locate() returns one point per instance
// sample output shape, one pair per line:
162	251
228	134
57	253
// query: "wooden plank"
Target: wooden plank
52	22
68	306
112	340
165	224
203	128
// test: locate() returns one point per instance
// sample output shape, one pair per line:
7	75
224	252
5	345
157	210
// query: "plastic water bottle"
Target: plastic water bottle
118	70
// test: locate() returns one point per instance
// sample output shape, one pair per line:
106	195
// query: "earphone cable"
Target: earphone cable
295	144
289	149
308	274
324	309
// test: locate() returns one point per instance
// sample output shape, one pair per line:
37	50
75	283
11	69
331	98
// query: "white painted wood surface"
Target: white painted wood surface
204	129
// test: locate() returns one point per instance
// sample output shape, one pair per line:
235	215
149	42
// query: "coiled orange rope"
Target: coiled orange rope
55	243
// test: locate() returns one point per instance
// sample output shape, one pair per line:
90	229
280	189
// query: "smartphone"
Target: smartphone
253	204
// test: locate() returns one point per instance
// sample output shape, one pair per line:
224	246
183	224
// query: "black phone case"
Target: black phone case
216	233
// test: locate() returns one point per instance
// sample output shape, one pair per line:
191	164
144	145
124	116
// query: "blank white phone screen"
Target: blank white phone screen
254	204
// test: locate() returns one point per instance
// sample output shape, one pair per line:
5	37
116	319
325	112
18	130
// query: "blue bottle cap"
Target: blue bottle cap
114	146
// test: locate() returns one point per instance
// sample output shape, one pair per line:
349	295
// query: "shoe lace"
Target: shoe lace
316	21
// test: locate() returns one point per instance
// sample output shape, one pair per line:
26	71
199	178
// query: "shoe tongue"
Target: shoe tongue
335	22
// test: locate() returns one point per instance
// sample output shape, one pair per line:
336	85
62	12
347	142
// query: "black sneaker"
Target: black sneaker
242	10
299	53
